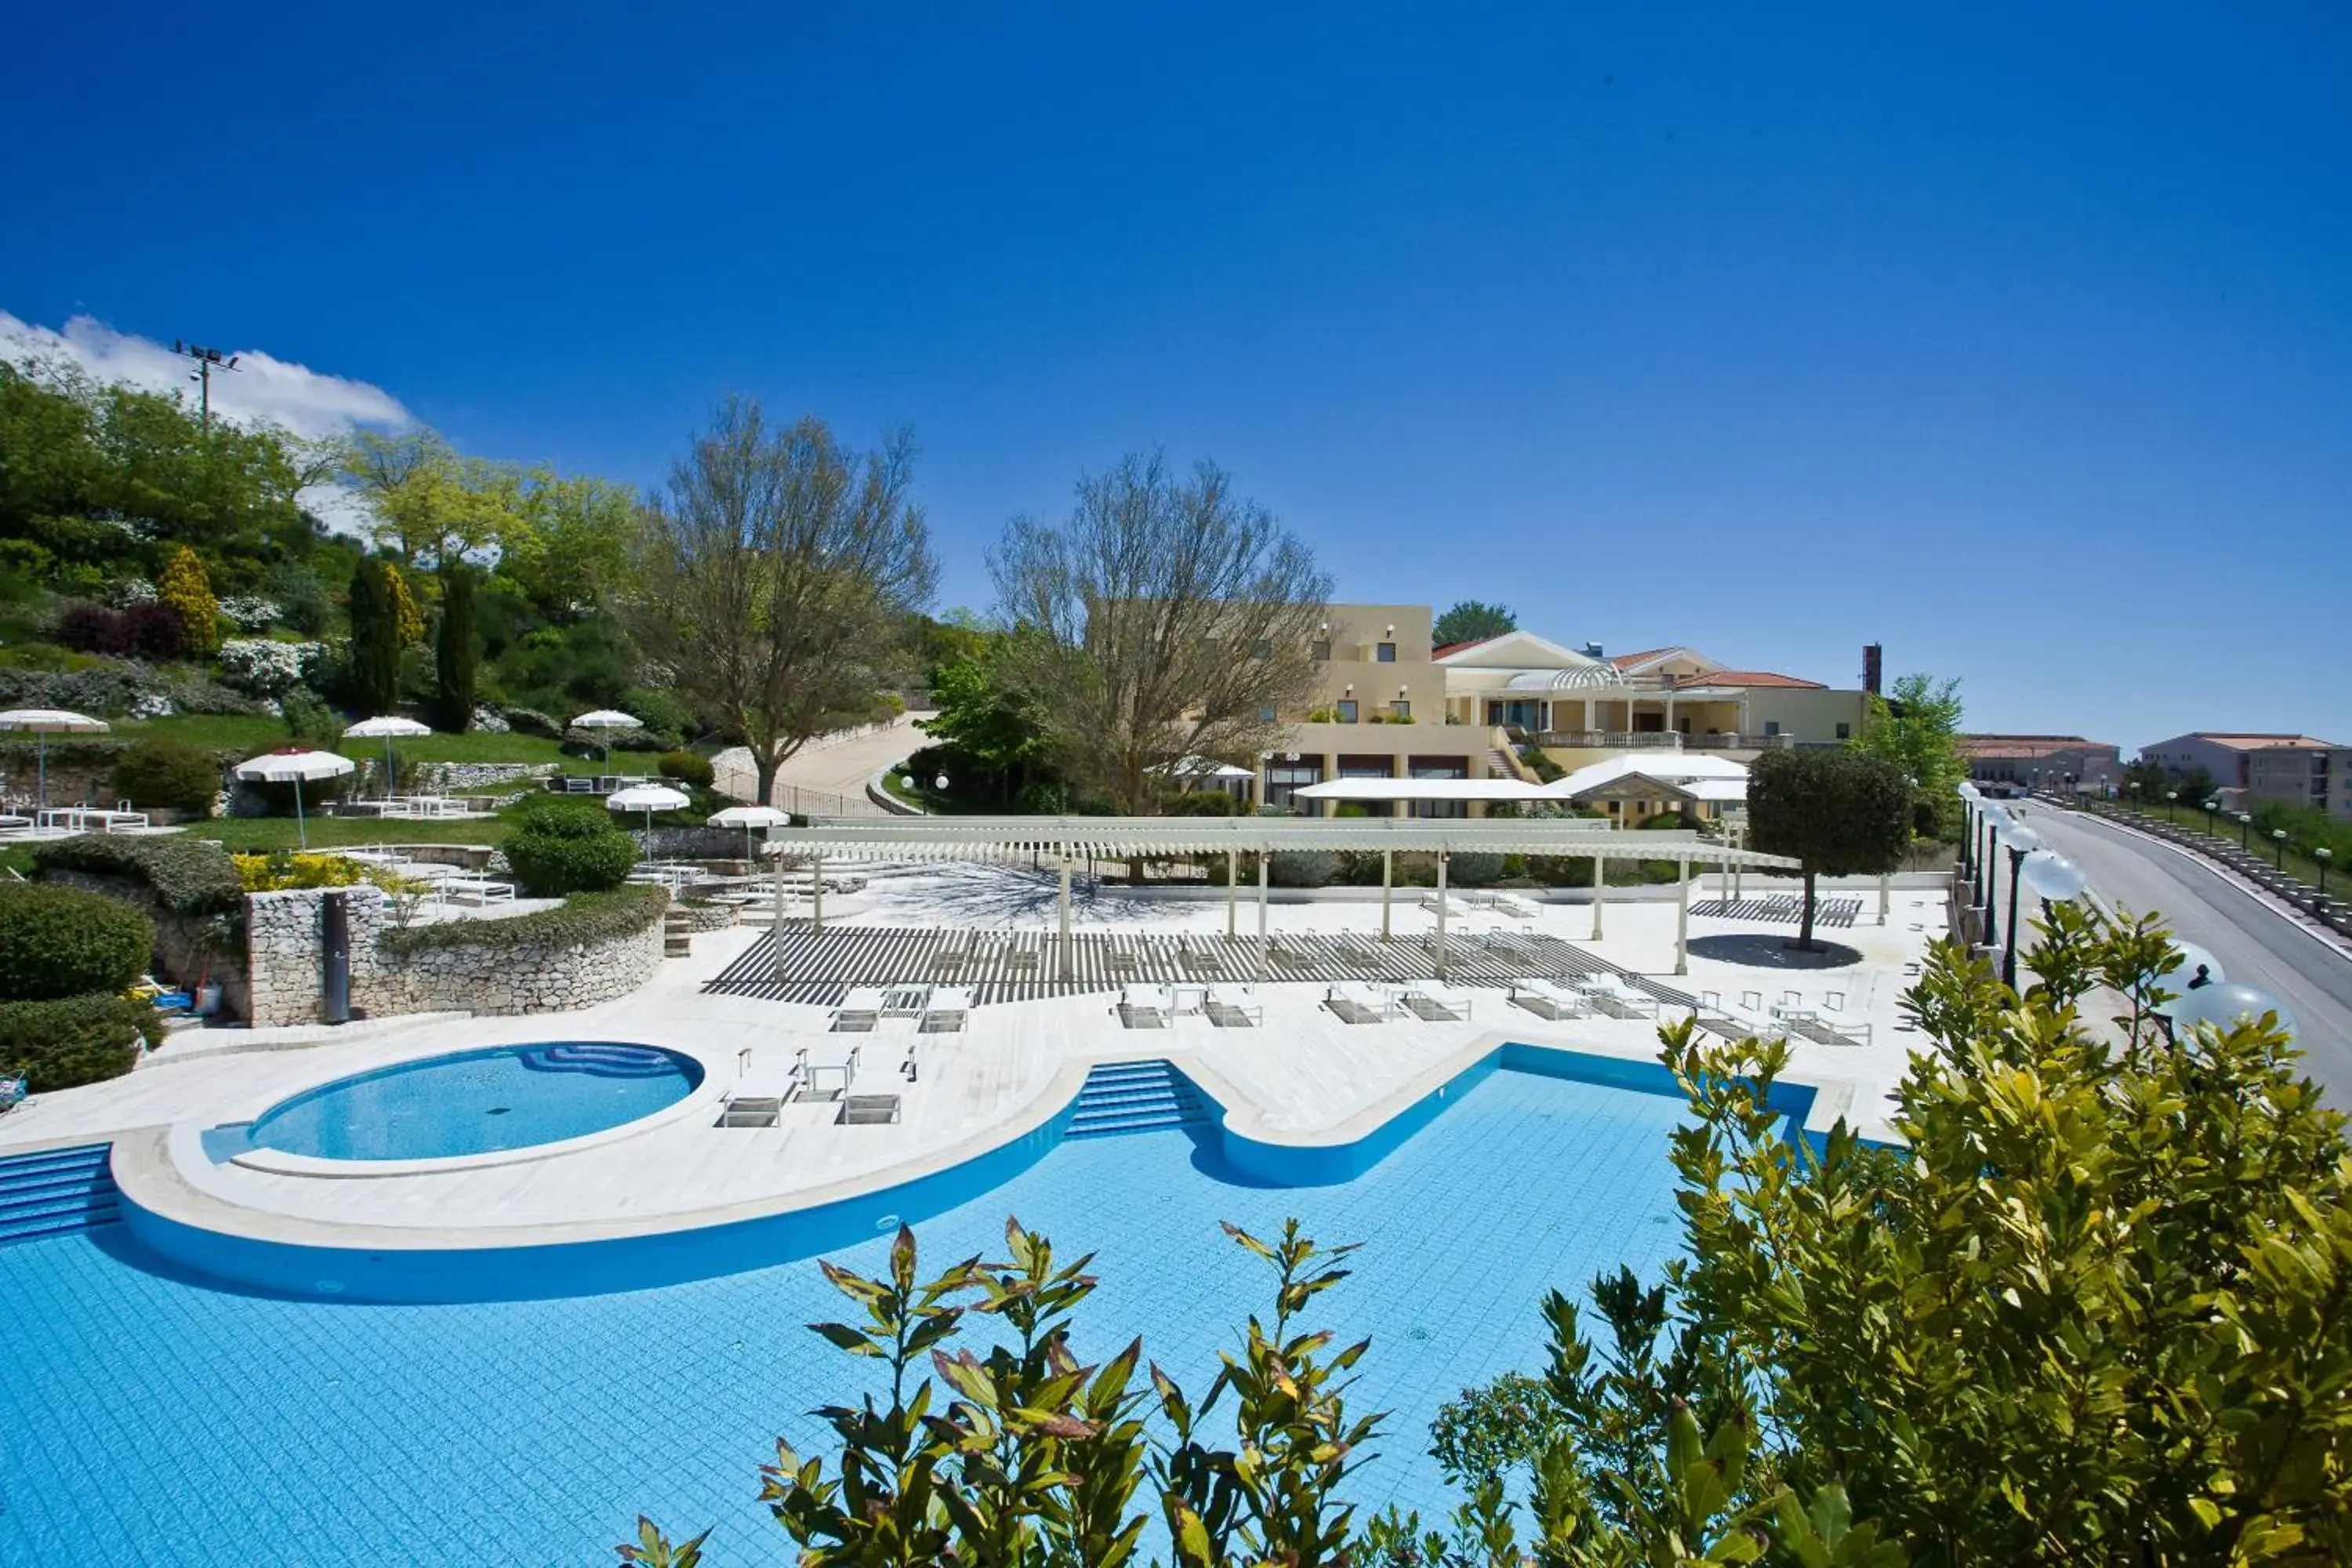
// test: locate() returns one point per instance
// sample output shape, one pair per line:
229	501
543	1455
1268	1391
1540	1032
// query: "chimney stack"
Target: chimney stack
1871	665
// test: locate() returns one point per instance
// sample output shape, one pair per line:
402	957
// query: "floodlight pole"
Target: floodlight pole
206	361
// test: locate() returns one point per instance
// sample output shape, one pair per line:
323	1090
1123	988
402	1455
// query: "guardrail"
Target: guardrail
1669	739
2327	908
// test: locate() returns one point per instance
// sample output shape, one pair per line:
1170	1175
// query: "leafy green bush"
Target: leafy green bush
73	1040
1302	868
531	721
171	774
563	846
63	941
188	876
1473	869
687	767
1203	803
584	918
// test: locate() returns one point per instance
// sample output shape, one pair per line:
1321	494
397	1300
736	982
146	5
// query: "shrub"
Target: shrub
584	918
309	721
188	876
303	603
1203	803
531	721
74	1040
687	767
64	941
268	668
1302	868
85	628
168	773
186	593
283	870
157	633
1676	820
563	847
1473	869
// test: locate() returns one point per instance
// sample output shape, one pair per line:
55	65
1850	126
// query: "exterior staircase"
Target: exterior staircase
56	1193
1135	1097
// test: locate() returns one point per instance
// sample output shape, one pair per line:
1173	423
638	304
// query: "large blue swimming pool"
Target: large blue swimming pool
478	1102
146	1418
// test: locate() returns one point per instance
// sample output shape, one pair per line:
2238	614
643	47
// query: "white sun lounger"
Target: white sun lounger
1735	1024
1356	1003
861	1009
949	1009
1548	999
1233	1008
1143	1007
1619	1000
1434	1003
760	1096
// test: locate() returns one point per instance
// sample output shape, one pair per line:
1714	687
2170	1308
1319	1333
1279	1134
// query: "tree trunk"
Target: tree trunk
1805	920
763	767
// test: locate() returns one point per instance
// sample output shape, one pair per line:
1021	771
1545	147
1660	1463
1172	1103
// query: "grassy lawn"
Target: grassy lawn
254	835
254	735
2257	843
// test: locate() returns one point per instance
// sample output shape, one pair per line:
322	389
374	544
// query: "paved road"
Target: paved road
838	767
2254	943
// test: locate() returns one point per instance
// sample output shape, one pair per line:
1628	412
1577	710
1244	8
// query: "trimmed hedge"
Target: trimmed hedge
686	767
584	918
63	941
563	847
189	876
79	1040
170	774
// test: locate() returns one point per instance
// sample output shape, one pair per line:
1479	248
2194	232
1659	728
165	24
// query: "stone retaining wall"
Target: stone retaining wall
480	778
286	965
189	951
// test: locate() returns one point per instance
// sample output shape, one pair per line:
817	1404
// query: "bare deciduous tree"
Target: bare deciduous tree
1166	618
781	568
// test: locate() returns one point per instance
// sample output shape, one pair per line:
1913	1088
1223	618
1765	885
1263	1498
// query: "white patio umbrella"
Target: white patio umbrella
292	767
647	798
387	727
747	818
44	722
608	719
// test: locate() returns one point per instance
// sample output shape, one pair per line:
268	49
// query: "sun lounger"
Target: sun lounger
1546	999
949	1009
760	1096
1359	1003
829	1080
1143	1007
905	1001
860	1010
1736	1024
1515	907
1829	1031
868	1109
1435	1004
952	954
1233	1008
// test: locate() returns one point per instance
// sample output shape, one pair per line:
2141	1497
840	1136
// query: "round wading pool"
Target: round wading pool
478	1102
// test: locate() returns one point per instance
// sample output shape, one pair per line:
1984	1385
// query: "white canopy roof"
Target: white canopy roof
387	725
1191	767
294	767
1421	789
51	721
647	797
749	816
607	718
1667	767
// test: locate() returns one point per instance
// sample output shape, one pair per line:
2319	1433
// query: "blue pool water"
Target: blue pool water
149	1418
478	1102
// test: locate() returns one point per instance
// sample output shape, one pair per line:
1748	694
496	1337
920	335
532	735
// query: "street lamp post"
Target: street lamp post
2278	847
2171	797
2245	827
2320	858
2055	880
2020	842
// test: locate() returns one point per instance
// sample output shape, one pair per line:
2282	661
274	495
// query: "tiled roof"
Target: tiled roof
1442	649
1750	677
2263	742
2028	746
1628	660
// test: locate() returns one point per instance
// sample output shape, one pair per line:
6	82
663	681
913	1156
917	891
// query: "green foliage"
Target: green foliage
562	846
74	1040
1841	813
1203	803
1302	868
1473	869
1917	731
1539	762
187	876
310	722
302	600
455	659
585	917
687	767
187	592
171	774
375	638
64	941
1473	620
1025	1457
531	721
985	726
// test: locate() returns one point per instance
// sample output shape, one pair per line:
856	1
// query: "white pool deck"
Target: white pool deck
1304	1076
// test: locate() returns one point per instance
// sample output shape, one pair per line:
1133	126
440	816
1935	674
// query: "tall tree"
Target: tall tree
978	717
1919	731
1165	618
1473	620
455	658
375	638
1841	813
569	542
187	593
428	502
779	573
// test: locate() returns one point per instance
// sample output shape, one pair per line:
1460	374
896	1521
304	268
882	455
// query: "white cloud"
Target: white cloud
263	388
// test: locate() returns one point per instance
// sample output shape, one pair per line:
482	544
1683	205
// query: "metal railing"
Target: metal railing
1662	739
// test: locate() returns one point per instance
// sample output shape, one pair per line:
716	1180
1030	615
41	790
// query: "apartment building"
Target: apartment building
2293	770
1378	711
2056	763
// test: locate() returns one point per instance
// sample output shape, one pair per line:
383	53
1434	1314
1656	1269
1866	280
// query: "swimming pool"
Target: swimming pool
147	1417
478	1102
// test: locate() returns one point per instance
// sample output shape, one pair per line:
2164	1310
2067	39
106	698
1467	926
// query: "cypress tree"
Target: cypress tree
375	639
453	656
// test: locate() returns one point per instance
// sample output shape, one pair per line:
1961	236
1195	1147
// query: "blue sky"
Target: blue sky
2017	339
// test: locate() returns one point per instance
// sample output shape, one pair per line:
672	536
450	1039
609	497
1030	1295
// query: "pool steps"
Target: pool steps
56	1192
1135	1097
598	1061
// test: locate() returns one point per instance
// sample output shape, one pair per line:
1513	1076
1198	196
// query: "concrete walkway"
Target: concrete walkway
836	765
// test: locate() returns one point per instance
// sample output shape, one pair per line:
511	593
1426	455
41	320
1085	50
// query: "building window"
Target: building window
1771	726
1369	768
1385	653
1845	732
1285	779
1347	706
1400	710
1320	650
1439	768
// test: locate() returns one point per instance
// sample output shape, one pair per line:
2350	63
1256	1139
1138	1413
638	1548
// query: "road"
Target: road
814	776
2255	943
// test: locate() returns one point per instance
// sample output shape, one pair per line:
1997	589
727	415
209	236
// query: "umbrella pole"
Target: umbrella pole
301	829
389	770
42	752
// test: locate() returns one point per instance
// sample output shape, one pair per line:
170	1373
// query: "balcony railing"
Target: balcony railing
1667	740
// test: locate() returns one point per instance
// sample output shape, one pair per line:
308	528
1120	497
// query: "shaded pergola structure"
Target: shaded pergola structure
1069	840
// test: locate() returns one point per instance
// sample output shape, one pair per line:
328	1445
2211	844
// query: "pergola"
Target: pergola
1071	838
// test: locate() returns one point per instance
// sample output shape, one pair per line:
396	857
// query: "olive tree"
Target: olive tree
1838	813
1166	617
781	568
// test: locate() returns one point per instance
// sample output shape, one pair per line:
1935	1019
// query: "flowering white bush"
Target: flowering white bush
125	592
267	669
251	612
